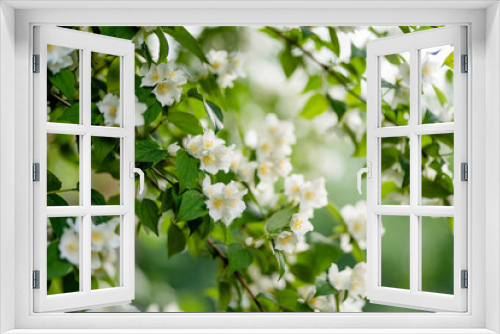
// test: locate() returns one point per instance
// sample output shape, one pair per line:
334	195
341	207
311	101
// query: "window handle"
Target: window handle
139	171
368	171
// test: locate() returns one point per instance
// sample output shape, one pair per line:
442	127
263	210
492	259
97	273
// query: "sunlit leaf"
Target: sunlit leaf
334	39
184	38
316	105
280	219
186	122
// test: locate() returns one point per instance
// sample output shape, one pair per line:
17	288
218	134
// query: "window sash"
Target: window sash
86	43
414	298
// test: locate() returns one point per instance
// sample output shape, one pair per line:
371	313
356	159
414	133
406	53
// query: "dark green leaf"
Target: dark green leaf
281	263
65	81
238	257
56	200
404	29
194	225
114	77
339	107
176	241
55	266
53	183
71	115
355	52
192	206
58	224
184	38
316	105
268	296
163	45
324	288
120	32
147	211
148	151
187	168
170	199
96	198
335	41
288	61
215	114
101	147
186	122
280	219
224	296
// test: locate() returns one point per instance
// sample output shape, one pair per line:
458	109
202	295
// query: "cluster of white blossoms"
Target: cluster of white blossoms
110	108
228	67
214	155
352	280
225	202
58	57
355	220
104	242
166	79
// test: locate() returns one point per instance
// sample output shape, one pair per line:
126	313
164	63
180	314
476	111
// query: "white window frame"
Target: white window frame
17	19
415	210
85	43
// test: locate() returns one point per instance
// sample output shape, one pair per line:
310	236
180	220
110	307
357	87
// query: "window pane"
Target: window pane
105	171
437	254
437	66
105	247
396	252
395	167
63	255
395	89
63	84
437	169
63	170
106	104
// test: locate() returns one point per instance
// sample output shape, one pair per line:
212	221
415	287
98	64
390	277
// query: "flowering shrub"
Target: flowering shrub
235	187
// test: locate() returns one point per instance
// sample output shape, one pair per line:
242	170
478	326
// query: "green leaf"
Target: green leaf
281	263
148	151
339	107
65	81
96	198
56	200
176	241
71	115
147	211
324	288
192	206
194	225
288	61
238	257
280	219
355	52
154	109
186	122
53	183
440	95
315	82
335	41
170	199
162	56
187	168
224	296
361	147
215	114
101	147
184	38
268	296
393	59
450	61
404	29
114	77
120	32
316	105
287	298
55	266
58	224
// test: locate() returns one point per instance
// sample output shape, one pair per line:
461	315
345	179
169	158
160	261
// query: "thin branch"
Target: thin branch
61	99
157	172
323	66
153	182
158	125
237	274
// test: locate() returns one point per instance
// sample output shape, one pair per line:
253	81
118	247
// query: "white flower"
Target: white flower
340	280
266	172
218	61
140	109
224	201
167	93
58	57
154	74
265	195
103	236
313	196
174	74
293	187
359	279
69	246
355	219
300	225
352	304
110	108
173	148
286	241
95	260
282	133
194	146
141	35
242	167
217	159
236	62
251	138
345	242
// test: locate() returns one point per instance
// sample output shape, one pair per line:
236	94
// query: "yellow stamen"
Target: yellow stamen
295	189
286	240
209	144
193	147
217	203
309	195
163	89
298	224
208	159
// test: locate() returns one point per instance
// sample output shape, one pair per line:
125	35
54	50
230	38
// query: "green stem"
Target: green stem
61	191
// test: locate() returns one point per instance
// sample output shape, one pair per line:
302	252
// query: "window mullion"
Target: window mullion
414	172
